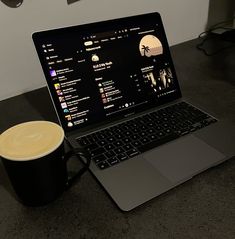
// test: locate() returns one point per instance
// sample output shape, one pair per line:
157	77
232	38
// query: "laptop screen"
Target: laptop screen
107	70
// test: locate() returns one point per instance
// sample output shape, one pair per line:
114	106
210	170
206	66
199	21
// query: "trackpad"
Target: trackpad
183	158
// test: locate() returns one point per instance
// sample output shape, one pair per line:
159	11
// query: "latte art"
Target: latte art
30	140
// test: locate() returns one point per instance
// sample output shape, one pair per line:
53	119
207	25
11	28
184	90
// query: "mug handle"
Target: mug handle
80	153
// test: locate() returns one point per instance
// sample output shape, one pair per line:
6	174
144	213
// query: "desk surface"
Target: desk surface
203	207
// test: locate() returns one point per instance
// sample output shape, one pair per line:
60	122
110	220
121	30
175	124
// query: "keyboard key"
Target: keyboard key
102	142
135	130
99	158
109	147
127	146
160	134
90	139
91	147
150	131
118	136
143	133
132	153
103	165
83	141
101	135
127	140
109	154
136	143
122	157
135	136
97	152
145	140
118	143
111	139
127	133
184	131
168	131
113	161
118	150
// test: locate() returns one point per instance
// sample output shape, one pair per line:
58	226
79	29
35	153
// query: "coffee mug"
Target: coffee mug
35	160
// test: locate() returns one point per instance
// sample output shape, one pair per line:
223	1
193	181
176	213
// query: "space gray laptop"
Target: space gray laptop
115	90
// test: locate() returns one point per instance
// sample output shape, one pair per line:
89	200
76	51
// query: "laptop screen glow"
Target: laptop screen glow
107	70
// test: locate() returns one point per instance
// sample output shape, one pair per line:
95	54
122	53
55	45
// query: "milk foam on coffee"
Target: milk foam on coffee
30	140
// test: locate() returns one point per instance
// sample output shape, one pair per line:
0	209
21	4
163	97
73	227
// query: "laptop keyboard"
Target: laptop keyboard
121	142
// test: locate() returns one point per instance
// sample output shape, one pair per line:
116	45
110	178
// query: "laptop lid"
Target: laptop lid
108	70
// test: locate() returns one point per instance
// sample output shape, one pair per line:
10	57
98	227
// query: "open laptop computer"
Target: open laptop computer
114	88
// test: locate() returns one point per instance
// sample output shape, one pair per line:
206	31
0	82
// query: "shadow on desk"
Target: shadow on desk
5	182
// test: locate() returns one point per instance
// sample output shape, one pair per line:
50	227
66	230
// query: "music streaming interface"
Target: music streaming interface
98	75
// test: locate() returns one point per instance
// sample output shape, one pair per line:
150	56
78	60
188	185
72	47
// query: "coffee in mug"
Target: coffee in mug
35	160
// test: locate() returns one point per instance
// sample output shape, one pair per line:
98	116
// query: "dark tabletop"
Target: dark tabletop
203	207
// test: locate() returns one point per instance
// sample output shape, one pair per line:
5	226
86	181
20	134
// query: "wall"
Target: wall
20	70
220	11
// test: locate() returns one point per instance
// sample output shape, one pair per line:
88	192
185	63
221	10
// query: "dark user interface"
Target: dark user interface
95	76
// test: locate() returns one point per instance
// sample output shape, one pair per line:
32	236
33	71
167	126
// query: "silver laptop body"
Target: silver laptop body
102	74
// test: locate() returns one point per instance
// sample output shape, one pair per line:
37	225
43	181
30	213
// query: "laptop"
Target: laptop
115	91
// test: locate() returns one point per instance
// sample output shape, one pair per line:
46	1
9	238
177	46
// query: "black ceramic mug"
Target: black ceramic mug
35	160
